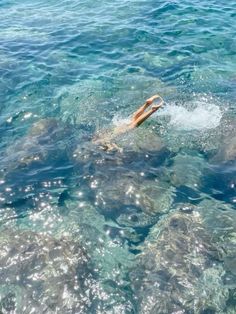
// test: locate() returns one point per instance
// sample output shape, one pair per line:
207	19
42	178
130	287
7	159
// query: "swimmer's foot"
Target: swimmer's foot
156	107
150	100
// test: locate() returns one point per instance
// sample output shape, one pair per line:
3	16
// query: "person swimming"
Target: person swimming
105	138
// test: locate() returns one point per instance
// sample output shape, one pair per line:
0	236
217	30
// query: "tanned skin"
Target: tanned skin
142	114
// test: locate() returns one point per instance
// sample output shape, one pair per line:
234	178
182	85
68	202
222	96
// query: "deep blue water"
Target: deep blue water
151	229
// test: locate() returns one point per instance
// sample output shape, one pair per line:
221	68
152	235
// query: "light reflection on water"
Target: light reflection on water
148	230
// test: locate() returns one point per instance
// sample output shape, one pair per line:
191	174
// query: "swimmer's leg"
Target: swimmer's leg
146	115
141	110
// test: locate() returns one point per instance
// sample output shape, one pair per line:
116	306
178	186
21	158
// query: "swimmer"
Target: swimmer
105	138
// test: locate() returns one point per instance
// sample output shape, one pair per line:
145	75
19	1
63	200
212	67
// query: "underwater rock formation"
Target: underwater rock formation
220	144
186	169
131	181
220	220
80	101
39	156
129	186
138	201
220	182
179	269
227	151
142	140
220	178
43	141
40	274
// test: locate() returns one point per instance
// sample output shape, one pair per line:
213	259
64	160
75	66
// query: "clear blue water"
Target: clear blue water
151	229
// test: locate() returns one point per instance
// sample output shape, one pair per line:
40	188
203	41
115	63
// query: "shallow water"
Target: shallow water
150	229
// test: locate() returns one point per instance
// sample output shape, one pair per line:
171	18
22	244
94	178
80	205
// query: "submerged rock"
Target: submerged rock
44	140
133	201
35	161
186	169
220	219
128	185
126	191
142	140
227	151
79	102
179	269
220	181
40	274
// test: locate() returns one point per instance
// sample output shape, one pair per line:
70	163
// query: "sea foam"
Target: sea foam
196	115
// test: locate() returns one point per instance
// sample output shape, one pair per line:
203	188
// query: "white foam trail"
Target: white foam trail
200	115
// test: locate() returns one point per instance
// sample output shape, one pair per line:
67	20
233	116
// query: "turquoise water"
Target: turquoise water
151	229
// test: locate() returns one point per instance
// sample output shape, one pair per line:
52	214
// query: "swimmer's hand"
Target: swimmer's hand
156	107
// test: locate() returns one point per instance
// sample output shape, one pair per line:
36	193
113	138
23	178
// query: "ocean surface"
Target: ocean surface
151	227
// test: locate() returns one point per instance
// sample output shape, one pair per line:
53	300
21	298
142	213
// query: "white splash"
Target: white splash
197	115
